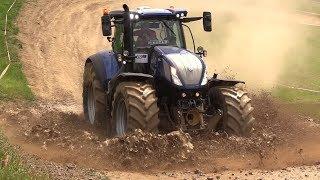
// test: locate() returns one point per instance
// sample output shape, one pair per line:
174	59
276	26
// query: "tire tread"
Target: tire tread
142	107
240	111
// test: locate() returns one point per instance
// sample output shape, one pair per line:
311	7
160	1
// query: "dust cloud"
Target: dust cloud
250	40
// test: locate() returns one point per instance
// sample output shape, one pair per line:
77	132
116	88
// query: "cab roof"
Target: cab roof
145	11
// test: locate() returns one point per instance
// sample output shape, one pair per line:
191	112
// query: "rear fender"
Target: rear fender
105	66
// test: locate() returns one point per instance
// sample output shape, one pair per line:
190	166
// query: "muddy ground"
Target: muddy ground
64	145
54	139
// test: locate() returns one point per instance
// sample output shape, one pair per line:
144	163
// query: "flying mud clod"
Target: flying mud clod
145	149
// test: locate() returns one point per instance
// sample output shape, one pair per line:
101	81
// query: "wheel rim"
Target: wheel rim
121	117
91	104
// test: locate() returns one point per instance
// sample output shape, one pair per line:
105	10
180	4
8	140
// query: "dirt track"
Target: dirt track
56	39
64	146
57	36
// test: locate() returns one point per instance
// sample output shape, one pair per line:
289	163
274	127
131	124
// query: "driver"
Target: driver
145	35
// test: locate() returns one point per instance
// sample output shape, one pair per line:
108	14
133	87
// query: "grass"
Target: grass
293	95
309	5
302	70
309	110
14	84
14	168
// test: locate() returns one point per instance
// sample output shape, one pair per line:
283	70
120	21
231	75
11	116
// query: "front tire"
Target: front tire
135	107
237	109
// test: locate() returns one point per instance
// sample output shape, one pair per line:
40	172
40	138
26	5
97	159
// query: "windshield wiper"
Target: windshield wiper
168	28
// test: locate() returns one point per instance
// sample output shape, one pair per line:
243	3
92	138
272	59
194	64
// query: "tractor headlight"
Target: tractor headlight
131	16
175	77
205	78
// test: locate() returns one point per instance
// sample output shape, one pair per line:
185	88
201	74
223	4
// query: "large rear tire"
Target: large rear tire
94	98
135	107
237	110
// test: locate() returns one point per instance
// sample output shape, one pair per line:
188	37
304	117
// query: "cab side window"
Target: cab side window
118	39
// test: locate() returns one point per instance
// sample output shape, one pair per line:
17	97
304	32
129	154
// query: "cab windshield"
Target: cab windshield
147	33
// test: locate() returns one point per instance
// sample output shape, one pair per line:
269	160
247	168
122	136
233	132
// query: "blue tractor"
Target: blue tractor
150	81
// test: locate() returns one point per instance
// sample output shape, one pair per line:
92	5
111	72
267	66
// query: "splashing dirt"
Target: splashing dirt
281	138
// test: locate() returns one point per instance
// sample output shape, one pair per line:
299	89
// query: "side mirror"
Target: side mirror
207	24
106	25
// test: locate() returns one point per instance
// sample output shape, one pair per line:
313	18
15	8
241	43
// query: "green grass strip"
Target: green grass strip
14	84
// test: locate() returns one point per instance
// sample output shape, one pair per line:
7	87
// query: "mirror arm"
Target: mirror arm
110	39
191	19
194	46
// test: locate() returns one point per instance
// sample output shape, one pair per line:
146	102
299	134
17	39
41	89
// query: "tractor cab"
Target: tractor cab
152	32
136	33
148	33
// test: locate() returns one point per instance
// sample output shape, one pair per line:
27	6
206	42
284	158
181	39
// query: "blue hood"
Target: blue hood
190	67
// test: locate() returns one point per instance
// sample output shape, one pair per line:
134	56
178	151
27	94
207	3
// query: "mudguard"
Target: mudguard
127	76
213	82
105	65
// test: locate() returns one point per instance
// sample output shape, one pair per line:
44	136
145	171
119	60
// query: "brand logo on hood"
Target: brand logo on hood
190	69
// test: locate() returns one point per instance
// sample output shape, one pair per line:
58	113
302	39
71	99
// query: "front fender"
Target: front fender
213	82
105	66
127	76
